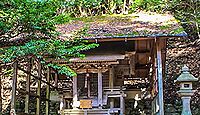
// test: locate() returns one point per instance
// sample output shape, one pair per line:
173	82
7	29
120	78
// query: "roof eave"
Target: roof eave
129	38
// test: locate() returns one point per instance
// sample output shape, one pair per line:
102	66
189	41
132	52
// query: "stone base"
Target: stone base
90	111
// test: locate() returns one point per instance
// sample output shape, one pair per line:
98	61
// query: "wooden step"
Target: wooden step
86	112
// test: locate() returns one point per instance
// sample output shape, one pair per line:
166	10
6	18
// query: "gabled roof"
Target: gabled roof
137	25
140	24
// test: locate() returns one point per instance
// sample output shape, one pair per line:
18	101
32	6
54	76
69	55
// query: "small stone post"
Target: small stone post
185	80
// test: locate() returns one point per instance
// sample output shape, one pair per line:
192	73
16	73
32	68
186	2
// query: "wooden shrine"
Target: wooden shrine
115	72
111	80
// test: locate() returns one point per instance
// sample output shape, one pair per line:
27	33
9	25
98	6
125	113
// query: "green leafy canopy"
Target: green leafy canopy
30	18
45	49
33	22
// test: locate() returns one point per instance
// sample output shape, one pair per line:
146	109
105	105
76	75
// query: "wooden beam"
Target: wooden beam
132	63
56	79
14	87
1	75
153	70
122	106
160	77
39	89
75	91
143	66
47	91
125	38
106	39
111	84
111	77
33	95
100	88
36	77
28	77
88	87
119	39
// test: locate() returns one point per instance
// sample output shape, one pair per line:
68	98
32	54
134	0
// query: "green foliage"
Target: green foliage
34	22
57	49
83	7
164	27
30	18
63	69
149	5
177	31
45	49
188	12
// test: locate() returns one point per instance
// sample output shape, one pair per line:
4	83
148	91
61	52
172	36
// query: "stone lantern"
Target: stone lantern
185	80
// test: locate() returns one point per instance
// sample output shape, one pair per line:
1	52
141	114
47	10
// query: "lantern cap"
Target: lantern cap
186	76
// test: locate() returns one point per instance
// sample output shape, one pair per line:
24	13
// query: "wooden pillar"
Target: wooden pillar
75	96
27	99
111	84
14	87
68	104
100	88
62	104
1	75
38	89
122	105
160	77
56	79
88	87
47	91
111	77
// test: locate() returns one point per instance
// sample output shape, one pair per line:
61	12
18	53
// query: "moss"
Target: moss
88	35
139	25
120	34
134	33
177	31
164	27
108	34
106	18
145	32
91	18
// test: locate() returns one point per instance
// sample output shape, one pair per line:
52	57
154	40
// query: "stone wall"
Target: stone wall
6	84
180	51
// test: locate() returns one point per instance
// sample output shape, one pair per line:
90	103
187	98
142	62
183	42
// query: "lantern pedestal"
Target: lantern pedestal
186	96
185	80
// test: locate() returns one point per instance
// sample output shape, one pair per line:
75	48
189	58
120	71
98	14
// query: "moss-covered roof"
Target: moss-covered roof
132	25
